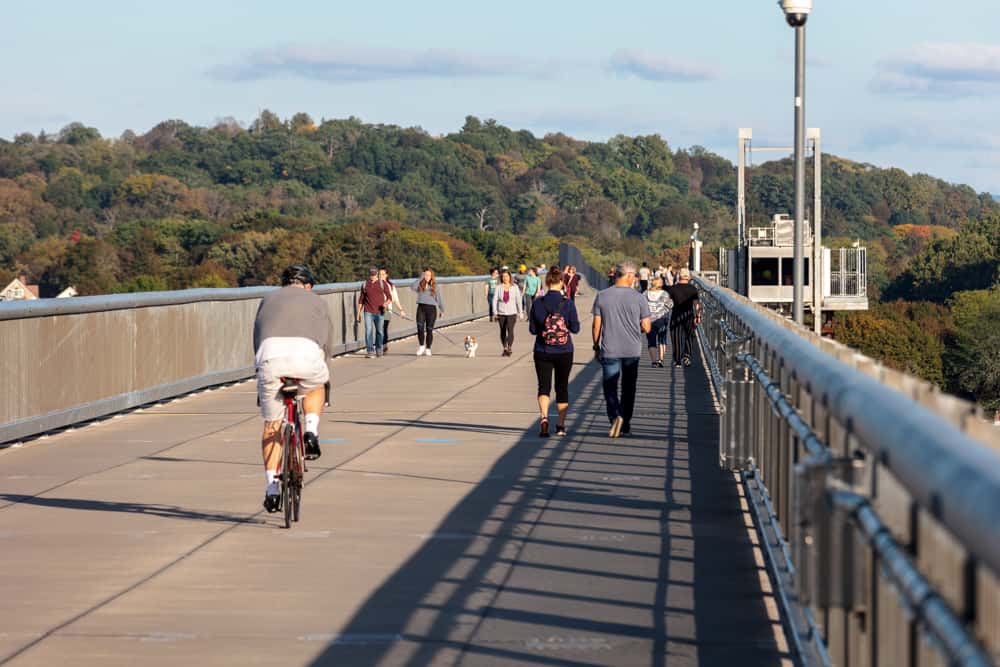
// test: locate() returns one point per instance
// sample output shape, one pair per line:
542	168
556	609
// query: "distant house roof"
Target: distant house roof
16	290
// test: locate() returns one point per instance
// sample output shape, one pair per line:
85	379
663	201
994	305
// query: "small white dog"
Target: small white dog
471	346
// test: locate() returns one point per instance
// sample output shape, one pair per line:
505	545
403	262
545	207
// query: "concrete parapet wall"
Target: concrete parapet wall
72	360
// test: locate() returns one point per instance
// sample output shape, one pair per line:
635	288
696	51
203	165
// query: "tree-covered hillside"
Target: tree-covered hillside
183	206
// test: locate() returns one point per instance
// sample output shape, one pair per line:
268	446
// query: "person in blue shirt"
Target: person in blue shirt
553	319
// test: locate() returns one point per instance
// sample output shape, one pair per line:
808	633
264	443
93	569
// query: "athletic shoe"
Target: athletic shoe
616	427
677	364
420	350
659	364
543	429
560	430
427	353
626	429
368	355
378	353
687	361
653	364
313	451
272	503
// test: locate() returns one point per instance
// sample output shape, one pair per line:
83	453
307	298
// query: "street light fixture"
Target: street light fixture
796	13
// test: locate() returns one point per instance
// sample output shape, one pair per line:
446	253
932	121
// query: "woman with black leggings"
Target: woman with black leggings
508	306
429	303
553	319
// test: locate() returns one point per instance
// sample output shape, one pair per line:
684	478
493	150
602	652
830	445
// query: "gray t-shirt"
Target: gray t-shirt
621	310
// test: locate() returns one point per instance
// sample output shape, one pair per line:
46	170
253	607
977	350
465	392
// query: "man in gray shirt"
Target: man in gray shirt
291	339
621	318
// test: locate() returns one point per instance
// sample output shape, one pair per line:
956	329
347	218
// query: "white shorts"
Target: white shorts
310	370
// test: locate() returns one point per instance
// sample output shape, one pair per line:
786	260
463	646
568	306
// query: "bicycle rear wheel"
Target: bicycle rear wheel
298	474
287	473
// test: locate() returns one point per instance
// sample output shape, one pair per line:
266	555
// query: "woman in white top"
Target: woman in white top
393	306
659	308
508	307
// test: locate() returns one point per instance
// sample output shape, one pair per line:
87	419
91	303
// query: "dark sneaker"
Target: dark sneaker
659	364
626	429
313	451
616	427
687	361
653	364
272	503
677	364
543	429
560	430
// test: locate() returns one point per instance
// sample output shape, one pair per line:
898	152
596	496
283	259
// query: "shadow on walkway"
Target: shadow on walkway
583	551
164	511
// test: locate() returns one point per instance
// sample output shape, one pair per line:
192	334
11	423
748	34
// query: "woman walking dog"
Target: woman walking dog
429	305
553	319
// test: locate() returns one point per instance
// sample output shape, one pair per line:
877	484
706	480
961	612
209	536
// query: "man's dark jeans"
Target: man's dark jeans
628	369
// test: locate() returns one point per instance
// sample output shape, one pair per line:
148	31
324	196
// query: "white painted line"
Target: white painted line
568	644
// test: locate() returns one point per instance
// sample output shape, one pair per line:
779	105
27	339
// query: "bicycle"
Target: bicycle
292	467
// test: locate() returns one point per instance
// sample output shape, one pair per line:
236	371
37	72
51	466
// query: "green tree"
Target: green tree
973	362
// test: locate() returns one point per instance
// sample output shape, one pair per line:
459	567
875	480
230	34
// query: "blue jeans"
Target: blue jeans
373	332
628	369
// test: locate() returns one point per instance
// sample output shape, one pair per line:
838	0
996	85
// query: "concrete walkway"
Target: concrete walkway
437	529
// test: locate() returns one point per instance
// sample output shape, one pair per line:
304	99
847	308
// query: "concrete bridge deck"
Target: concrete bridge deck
437	529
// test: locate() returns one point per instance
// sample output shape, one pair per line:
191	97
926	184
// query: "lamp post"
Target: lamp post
796	13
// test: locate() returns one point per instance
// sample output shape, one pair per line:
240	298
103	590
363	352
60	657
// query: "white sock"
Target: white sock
312	424
272	482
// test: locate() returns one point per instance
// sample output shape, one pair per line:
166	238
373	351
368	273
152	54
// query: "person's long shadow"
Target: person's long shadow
437	425
145	509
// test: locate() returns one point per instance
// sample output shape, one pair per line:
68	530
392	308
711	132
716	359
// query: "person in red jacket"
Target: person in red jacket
571	283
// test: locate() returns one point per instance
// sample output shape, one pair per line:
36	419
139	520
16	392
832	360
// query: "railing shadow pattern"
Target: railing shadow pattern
584	551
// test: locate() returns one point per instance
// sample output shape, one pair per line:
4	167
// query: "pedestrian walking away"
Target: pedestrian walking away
508	307
490	287
292	338
553	320
659	310
395	306
373	299
621	317
532	285
430	304
684	317
644	277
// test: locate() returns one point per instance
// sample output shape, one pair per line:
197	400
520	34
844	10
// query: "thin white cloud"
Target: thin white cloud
968	136
650	67
941	70
359	64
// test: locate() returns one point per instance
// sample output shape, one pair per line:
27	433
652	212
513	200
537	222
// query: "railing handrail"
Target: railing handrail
953	476
104	302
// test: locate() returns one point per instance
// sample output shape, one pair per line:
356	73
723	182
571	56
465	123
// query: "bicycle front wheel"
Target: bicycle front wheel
287	472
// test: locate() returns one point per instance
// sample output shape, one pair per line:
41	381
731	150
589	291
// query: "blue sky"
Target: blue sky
908	83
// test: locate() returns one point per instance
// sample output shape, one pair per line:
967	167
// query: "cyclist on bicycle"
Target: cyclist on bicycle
291	338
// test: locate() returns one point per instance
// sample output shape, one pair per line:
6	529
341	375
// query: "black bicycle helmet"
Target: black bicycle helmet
298	273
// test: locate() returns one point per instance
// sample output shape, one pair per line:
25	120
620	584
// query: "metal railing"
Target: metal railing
877	497
847	272
64	361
